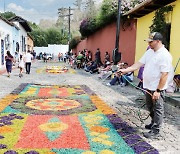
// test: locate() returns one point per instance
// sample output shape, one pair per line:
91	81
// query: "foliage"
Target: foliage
74	42
7	15
127	5
106	15
33	25
42	37
87	27
39	37
49	36
53	36
159	22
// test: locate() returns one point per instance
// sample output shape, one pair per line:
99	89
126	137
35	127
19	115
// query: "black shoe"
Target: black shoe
153	134
148	126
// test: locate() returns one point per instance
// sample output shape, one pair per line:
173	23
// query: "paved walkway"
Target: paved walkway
123	100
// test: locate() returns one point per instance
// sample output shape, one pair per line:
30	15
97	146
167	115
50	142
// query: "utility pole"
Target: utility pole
116	53
69	21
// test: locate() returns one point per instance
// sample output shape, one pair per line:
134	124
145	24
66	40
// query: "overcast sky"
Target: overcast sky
34	10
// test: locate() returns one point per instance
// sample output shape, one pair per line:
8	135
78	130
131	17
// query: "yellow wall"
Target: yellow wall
142	33
175	35
30	44
143	25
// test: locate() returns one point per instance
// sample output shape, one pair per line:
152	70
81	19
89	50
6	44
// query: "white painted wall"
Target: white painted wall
41	49
5	30
23	33
55	49
52	48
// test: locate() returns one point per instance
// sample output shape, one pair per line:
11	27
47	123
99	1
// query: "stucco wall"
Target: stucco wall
175	35
105	40
143	25
5	29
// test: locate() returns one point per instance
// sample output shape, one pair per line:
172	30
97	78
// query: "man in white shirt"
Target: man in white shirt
28	58
158	63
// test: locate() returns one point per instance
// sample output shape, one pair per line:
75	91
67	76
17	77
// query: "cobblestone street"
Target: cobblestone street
126	101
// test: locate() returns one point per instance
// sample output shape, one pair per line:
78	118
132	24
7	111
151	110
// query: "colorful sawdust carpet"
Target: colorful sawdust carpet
55	70
48	119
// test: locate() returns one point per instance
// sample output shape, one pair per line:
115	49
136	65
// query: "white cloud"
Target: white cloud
41	2
15	7
35	10
28	14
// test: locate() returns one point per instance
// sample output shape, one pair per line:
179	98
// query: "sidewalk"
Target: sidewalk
172	99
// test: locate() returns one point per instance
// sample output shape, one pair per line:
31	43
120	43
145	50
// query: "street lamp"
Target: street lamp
116	54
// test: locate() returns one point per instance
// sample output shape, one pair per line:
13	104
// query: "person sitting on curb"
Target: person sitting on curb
103	71
123	80
92	67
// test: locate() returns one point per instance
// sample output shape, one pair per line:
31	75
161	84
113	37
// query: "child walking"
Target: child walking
21	66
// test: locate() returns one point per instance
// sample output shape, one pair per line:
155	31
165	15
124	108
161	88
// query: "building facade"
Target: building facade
145	20
6	39
13	37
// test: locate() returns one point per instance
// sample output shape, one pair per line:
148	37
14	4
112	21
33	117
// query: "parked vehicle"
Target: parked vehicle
49	56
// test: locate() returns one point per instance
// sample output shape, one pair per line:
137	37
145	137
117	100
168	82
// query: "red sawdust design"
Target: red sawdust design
49	92
33	137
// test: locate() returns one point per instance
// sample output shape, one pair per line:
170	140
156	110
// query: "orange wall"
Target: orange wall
105	40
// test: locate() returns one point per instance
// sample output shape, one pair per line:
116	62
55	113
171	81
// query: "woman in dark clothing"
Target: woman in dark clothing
9	61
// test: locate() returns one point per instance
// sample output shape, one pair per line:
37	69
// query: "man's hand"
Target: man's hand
131	68
156	95
122	71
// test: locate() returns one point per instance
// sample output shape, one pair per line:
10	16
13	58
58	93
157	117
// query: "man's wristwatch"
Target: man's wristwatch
158	90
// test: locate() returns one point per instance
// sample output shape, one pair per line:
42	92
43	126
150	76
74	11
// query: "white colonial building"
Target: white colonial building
13	36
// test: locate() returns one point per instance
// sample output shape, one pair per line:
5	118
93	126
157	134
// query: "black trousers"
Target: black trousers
28	67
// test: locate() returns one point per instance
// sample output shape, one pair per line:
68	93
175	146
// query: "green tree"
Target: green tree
53	36
33	25
39	37
7	15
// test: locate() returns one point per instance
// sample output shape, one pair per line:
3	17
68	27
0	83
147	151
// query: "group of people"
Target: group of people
84	59
63	57
156	65
24	62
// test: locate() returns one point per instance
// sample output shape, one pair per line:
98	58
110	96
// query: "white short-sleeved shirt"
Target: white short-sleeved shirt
28	57
155	63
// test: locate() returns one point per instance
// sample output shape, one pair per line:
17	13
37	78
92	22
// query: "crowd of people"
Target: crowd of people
105	69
